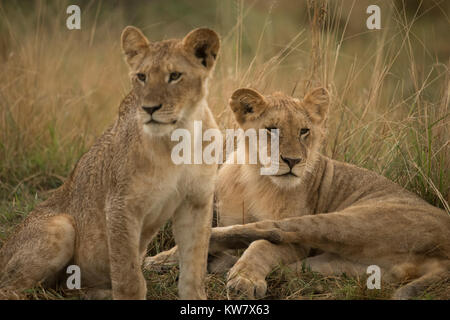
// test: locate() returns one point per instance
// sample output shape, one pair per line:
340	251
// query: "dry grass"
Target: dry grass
59	89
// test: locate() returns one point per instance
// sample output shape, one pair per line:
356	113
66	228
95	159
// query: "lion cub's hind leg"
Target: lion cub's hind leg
329	264
38	252
430	273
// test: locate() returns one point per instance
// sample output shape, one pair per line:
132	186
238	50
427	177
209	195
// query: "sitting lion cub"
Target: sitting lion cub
352	217
126	186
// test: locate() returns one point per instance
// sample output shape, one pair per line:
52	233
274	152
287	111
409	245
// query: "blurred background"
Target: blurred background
60	88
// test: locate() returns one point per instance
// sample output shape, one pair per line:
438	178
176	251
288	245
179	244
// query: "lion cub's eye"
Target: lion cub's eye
174	76
304	132
142	77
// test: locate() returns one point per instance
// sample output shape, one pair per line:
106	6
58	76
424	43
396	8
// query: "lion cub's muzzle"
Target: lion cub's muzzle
289	167
151	110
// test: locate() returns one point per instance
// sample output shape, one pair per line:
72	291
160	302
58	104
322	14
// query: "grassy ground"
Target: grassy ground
59	89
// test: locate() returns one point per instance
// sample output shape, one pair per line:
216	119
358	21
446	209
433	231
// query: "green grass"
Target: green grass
283	283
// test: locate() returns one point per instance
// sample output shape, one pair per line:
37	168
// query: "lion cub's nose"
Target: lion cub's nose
151	110
290	162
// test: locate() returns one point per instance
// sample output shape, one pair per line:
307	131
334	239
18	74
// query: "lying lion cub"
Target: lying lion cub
126	186
352	217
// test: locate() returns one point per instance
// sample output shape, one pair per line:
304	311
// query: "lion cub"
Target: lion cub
126	186
331	216
352	217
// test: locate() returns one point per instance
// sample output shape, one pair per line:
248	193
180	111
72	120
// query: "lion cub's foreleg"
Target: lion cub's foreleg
37	252
222	239
192	229
361	236
127	279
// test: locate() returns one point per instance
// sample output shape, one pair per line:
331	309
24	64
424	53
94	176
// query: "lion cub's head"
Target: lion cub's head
300	124
169	77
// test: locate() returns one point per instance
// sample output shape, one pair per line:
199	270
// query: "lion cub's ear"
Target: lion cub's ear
316	104
203	44
247	104
134	45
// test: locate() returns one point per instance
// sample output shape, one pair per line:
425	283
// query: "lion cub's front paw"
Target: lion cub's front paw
245	284
163	261
158	265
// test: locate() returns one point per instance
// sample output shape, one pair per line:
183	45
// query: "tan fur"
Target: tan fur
126	186
352	217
